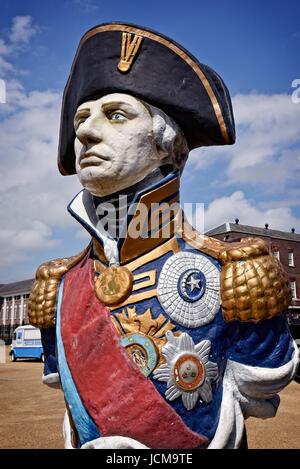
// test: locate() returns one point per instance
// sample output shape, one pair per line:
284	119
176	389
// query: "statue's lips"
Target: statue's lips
92	159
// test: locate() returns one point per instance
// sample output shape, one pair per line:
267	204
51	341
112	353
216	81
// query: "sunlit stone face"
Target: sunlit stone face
114	143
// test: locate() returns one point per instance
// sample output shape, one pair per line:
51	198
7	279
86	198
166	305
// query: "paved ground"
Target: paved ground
31	414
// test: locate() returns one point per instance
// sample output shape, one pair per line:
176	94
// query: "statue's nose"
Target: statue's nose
89	132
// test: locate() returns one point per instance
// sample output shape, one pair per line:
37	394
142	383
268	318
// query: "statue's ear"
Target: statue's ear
163	135
162	153
180	152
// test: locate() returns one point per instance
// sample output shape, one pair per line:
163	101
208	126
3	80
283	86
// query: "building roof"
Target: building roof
24	286
253	231
26	327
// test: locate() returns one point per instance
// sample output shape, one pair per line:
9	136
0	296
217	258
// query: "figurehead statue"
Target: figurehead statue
159	336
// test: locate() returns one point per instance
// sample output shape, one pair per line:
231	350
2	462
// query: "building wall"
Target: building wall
13	313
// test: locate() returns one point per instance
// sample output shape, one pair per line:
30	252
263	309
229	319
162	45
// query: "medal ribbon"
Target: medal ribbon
118	397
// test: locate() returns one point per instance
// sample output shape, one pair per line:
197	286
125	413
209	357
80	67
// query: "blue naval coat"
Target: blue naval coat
214	372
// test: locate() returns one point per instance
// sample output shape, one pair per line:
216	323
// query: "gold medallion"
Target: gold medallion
114	285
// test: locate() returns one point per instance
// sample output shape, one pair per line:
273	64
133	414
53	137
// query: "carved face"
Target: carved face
114	144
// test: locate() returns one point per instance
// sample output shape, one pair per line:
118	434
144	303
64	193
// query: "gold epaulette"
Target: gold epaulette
254	285
43	296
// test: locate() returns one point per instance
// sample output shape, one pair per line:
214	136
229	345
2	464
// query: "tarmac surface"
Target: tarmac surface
31	414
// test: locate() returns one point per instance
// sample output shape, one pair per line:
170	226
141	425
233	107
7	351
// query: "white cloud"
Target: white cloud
5	67
267	150
19	242
267	125
22	29
82	234
20	33
4	48
236	205
33	196
264	163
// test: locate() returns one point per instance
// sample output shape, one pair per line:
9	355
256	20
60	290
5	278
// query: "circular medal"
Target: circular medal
114	285
142	351
189	372
189	289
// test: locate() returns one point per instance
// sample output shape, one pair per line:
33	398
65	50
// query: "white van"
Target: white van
26	343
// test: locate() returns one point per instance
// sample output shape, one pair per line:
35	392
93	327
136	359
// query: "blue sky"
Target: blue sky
254	46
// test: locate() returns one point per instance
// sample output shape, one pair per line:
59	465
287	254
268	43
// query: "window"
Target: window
293	289
276	254
291	259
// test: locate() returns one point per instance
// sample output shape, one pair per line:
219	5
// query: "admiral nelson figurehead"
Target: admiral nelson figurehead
149	332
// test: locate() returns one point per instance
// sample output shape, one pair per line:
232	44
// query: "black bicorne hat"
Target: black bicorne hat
124	58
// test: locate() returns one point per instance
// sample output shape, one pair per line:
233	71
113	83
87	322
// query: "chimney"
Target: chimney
293	230
237	221
266	226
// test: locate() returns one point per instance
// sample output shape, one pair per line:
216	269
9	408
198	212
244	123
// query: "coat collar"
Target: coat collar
143	229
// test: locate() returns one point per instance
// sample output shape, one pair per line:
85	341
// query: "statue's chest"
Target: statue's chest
176	295
171	327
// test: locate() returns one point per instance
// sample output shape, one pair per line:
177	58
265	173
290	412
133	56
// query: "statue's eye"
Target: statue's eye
80	121
80	118
117	116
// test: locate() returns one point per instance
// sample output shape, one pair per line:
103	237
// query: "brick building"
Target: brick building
284	245
13	307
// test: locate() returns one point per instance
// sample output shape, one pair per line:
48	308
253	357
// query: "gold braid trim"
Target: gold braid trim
254	285
211	246
43	296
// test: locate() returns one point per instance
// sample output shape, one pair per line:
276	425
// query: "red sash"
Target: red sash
119	398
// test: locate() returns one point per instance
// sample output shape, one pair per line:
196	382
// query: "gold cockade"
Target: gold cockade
143	337
129	49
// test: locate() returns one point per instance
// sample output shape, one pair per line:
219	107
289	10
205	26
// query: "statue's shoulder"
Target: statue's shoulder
254	285
43	295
